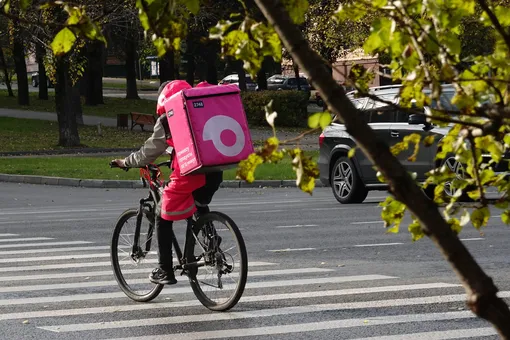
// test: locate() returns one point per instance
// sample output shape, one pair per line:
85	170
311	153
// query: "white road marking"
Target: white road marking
289	250
52	250
19	245
53	258
252	298
25	239
265	211
472	239
8	235
378	244
441	335
147	270
59	220
93	264
297	226
176	290
303	327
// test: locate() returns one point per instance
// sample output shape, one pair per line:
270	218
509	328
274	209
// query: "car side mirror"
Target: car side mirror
417	119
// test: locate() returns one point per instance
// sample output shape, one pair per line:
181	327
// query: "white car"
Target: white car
234	79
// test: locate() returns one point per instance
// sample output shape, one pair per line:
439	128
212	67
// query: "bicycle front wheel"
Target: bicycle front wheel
219	246
132	266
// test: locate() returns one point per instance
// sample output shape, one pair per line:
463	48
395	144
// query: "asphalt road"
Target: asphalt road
319	270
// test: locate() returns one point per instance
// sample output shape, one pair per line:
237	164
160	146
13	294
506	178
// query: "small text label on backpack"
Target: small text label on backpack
198	104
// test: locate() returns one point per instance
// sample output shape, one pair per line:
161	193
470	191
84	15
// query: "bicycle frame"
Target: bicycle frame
151	174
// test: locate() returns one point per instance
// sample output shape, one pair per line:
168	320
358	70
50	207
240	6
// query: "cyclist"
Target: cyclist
182	195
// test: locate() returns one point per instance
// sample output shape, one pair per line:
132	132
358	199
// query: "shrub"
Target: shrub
290	105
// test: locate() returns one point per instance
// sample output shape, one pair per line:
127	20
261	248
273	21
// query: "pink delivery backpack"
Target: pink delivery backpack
209	128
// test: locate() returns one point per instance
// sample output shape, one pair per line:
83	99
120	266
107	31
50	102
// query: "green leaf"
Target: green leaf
24	4
480	217
247	167
465	218
297	9
193	5
505	217
63	42
321	119
379	37
486	176
416	230
351	152
429	140
455	225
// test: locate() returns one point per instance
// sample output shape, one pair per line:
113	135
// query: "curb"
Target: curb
114	184
66	152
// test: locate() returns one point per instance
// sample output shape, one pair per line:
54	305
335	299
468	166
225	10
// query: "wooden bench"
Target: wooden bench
142	119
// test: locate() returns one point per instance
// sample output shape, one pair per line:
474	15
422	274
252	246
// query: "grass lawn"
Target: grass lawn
111	107
18	134
98	168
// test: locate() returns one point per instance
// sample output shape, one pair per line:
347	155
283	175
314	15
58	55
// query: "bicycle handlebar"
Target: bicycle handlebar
115	165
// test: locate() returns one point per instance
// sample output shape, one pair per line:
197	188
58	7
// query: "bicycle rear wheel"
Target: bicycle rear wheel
132	269
218	243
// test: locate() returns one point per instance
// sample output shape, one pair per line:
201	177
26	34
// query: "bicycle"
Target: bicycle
206	252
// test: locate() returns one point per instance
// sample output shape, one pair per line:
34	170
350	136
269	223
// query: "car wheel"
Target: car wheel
346	183
320	102
448	192
34	83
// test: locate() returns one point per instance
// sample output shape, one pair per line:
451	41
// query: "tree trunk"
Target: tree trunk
166	67
94	79
43	79
6	73
480	289
242	75
21	70
261	76
67	126
131	90
211	56
76	104
295	66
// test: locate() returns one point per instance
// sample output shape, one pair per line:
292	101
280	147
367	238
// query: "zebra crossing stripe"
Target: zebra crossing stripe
305	327
147	271
53	250
45	244
177	290
244	299
93	264
442	335
8	235
25	239
254	313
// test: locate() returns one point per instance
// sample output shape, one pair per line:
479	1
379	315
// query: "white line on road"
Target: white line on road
59	220
441	335
302	327
91	264
8	235
378	244
297	226
25	239
249	298
147	270
54	258
265	211
4	246
177	290
52	250
472	239
367	222
289	250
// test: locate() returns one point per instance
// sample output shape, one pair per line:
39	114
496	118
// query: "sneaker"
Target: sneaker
159	276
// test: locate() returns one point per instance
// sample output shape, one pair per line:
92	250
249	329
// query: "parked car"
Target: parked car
234	79
352	178
35	80
280	82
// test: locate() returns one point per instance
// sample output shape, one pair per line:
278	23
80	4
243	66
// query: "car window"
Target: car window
275	80
379	116
402	117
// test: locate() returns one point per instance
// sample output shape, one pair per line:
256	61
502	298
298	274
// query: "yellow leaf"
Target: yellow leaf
63	42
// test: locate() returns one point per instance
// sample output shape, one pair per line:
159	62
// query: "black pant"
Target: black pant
164	233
